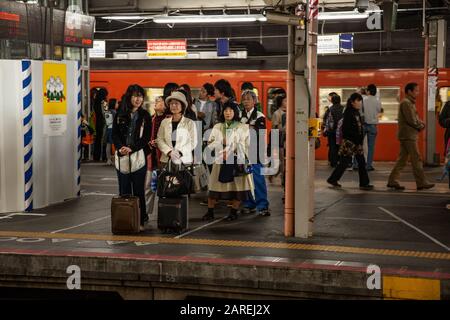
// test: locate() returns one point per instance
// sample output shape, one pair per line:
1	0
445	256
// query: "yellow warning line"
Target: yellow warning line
411	288
231	243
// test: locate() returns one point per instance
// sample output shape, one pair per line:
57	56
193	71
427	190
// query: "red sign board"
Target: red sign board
166	48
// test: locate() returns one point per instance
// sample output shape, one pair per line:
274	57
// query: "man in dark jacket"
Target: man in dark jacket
409	126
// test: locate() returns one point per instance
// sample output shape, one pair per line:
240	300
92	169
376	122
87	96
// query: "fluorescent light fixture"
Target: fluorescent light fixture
127	17
210	18
346	15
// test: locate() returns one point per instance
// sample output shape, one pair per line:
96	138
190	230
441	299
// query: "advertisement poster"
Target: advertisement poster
160	49
54	98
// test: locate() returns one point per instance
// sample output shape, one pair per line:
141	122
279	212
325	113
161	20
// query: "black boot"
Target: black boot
232	216
209	215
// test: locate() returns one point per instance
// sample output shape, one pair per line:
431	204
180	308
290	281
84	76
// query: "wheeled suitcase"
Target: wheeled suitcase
173	214
125	215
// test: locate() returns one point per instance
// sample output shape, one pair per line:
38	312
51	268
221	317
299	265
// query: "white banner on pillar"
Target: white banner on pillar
432	83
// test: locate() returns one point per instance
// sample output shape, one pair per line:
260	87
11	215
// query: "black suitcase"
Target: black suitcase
173	214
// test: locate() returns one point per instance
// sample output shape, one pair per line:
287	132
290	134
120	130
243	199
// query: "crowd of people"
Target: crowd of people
346	128
228	150
220	125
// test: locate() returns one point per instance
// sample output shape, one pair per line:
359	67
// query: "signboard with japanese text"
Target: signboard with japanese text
54	98
13	21
98	50
79	30
328	44
161	49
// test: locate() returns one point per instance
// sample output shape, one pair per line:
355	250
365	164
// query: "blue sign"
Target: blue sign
223	47
346	43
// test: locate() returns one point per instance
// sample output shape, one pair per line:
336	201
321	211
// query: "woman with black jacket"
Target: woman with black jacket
352	144
131	133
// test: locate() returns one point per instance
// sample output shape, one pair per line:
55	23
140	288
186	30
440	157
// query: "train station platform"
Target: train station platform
404	233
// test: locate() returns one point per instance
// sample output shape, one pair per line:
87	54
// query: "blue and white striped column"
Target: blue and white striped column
79	128
27	134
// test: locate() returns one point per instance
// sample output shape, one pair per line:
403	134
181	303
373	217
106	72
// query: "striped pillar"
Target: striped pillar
79	128
27	134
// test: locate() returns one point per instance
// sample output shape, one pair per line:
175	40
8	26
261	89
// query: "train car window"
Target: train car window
343	92
389	97
150	97
271	102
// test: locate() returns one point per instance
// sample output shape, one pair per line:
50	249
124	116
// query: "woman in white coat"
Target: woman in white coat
230	141
177	136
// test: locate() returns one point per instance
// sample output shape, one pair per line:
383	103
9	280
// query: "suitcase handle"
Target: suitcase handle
129	160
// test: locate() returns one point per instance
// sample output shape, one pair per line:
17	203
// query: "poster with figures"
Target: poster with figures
54	98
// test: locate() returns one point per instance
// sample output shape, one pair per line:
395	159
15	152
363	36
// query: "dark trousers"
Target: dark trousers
134	184
342	166
333	149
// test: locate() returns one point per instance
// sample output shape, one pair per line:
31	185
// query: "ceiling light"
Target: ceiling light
127	17
346	15
209	18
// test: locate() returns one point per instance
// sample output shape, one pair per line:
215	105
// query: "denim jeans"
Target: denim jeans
259	181
371	131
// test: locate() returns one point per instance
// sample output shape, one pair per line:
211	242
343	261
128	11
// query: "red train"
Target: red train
390	83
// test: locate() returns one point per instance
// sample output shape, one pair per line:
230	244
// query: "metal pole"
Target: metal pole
289	205
306	61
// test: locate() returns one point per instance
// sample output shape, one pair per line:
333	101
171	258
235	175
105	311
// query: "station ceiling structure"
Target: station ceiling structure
125	25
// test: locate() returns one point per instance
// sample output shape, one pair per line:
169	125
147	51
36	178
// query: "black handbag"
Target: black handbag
228	171
173	183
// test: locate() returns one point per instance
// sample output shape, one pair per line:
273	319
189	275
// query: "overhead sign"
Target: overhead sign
346	42
160	49
79	30
328	44
223	47
98	51
13	21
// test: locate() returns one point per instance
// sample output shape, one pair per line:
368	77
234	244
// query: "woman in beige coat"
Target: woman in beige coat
229	139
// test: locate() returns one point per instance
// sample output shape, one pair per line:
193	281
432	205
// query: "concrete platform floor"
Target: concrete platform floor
405	233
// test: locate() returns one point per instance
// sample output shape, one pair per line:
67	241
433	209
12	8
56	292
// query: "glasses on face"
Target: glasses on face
137	96
174	103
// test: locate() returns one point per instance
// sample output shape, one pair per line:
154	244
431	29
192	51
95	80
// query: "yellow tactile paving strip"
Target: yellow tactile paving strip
232	243
411	288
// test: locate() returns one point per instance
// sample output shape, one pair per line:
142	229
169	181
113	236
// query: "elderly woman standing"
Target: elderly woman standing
131	133
230	139
177	136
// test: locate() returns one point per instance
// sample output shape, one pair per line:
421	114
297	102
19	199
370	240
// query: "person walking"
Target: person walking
352	144
131	133
409	127
230	140
371	111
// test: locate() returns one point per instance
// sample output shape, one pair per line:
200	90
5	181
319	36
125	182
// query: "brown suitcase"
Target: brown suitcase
125	215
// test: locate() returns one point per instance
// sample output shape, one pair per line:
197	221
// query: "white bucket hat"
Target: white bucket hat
176	95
